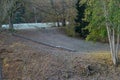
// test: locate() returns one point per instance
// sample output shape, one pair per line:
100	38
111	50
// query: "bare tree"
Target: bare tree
9	7
42	10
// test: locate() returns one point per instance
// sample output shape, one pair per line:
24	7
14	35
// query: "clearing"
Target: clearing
28	60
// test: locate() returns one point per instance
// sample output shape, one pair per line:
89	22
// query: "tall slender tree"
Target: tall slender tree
106	14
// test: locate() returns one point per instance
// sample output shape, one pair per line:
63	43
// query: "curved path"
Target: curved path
55	37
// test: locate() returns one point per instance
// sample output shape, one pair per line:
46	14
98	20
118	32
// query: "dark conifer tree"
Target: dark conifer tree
80	23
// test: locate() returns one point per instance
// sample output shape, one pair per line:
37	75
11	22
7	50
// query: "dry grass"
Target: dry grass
101	58
23	63
101	66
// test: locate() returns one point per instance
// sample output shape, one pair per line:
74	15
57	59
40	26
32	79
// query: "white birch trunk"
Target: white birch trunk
116	51
111	36
113	45
117	45
114	57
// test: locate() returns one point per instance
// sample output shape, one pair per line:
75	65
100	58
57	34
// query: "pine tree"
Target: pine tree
80	23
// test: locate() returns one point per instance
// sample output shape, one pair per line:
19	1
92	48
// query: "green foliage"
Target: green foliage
80	23
70	30
97	34
95	15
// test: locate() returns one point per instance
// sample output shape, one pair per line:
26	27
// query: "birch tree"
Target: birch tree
112	17
106	13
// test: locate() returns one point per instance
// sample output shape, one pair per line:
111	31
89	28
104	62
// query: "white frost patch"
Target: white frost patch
31	25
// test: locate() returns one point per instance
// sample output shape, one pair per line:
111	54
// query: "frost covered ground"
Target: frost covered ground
31	25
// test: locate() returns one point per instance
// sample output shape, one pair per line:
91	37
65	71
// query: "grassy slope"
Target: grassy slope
20	62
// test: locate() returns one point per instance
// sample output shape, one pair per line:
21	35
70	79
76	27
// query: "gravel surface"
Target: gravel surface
55	37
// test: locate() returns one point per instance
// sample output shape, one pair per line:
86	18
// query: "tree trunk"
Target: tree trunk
58	24
113	45
35	15
10	22
111	37
113	48
117	44
0	27
64	22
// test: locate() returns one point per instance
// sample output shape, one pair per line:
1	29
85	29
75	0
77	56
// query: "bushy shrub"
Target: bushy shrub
70	30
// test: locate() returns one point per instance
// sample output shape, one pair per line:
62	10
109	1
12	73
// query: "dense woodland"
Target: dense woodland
96	20
39	10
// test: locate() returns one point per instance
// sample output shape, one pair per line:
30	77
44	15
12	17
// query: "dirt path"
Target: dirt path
54	37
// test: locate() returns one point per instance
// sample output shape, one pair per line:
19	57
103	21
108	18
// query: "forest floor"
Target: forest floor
27	60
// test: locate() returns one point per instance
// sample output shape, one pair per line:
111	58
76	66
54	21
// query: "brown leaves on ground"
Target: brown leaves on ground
21	62
96	66
25	64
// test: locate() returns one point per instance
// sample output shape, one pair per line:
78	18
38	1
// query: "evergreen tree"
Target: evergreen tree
80	23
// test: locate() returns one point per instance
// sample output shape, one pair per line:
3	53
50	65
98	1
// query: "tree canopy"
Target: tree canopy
104	20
